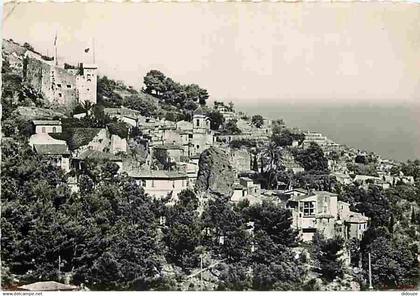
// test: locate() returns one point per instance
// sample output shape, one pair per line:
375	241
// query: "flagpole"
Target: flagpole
93	50
55	49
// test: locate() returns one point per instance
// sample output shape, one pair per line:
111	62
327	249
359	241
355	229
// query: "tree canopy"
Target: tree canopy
172	92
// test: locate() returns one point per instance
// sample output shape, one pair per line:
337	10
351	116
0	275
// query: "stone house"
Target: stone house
184	126
100	156
84	139
58	154
118	144
129	116
174	152
42	143
246	189
170	136
191	169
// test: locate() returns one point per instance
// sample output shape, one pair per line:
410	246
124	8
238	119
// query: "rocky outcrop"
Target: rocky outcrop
215	174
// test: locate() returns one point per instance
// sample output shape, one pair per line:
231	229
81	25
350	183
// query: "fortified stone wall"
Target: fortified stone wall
38	74
59	85
64	89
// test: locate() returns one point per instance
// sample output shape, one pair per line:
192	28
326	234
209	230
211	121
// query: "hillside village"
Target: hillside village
193	161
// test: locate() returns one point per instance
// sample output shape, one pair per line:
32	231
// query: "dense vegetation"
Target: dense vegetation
172	92
110	235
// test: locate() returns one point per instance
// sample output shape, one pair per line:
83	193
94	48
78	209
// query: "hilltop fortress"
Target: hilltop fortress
64	85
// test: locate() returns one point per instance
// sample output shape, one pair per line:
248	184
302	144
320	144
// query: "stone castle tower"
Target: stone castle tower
65	85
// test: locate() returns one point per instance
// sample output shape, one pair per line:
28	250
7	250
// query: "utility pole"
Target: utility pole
370	274
59	268
201	271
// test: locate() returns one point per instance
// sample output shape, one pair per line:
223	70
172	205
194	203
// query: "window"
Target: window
88	89
198	122
173	184
68	85
308	208
54	129
58	84
153	183
190	136
198	146
43	129
309	230
60	95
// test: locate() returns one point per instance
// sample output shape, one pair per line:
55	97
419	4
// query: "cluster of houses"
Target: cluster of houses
182	143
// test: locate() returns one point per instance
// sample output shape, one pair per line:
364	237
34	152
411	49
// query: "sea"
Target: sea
390	130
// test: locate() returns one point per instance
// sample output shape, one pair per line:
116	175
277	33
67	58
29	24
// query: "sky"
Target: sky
244	52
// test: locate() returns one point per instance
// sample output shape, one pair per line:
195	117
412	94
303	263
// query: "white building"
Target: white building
320	211
161	183
47	126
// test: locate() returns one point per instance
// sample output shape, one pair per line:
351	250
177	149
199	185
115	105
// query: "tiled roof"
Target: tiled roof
315	193
365	177
169	147
46	122
94	154
157	174
357	218
51	149
122	111
83	136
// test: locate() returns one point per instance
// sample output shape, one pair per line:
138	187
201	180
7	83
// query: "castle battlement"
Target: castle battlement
60	84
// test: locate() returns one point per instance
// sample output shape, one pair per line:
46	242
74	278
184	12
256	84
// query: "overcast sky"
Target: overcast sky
241	51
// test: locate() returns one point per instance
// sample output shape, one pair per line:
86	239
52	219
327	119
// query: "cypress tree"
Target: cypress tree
413	216
255	164
391	224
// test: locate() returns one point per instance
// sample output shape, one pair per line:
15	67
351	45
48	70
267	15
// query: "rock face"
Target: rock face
215	174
